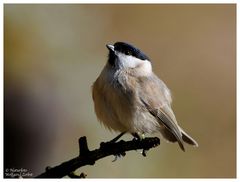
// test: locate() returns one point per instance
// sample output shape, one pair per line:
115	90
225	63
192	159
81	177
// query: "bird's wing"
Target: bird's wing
153	97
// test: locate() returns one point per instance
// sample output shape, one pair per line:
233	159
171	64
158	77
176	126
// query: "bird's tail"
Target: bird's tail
186	138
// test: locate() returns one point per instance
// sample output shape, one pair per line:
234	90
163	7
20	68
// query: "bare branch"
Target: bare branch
87	157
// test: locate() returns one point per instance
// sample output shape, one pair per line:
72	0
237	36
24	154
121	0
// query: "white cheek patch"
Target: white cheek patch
128	61
143	67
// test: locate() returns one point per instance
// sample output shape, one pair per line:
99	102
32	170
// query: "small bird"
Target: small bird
129	97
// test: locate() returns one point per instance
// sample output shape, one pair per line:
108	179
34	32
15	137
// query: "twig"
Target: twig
87	157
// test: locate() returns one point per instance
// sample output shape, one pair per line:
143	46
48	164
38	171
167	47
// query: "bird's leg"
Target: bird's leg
104	144
117	137
135	136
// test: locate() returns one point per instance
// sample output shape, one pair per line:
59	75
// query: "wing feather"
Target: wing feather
153	97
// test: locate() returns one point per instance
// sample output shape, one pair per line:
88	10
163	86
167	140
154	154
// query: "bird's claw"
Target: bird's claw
138	136
118	156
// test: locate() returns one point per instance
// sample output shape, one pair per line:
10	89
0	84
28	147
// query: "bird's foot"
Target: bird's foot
138	136
118	156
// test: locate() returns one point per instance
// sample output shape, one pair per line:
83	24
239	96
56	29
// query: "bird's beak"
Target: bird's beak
110	47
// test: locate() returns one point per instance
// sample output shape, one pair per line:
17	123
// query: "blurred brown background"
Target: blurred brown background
53	54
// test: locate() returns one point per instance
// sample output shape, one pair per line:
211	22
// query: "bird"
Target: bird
130	98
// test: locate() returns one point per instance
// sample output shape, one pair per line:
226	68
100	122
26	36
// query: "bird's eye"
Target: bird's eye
128	52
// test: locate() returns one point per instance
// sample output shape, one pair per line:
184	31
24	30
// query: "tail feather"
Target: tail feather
186	138
172	138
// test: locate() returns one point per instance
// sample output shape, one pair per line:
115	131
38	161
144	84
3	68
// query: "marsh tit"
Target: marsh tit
129	97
